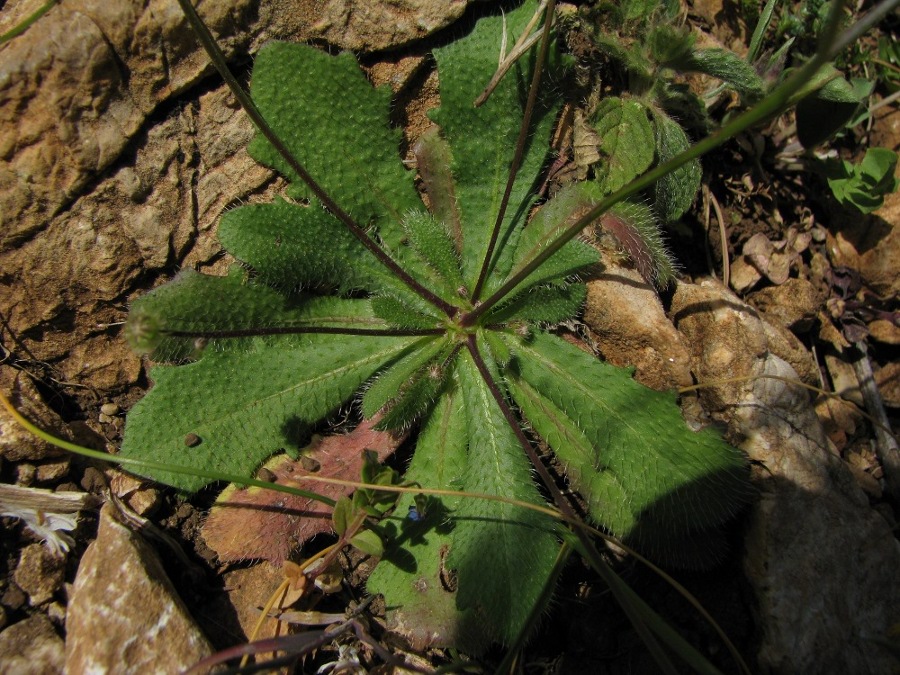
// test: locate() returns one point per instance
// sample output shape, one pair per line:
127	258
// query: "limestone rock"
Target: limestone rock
885	331
631	329
31	647
888	381
122	594
364	25
823	607
794	303
787	346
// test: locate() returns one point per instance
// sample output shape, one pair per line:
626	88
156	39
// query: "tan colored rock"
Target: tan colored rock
122	594
822	608
140	496
871	245
53	470
887	379
361	25
39	573
740	335
31	647
785	345
248	589
794	303
744	276
839	420
631	329
885	331
16	442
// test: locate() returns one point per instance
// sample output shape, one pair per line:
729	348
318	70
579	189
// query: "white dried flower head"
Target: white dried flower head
47	514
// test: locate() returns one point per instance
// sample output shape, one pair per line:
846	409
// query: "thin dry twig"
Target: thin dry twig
886	447
523	44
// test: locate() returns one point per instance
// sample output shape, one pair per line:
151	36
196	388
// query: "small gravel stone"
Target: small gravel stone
52	471
56	612
93	480
25	474
109	409
31	646
39	573
14	598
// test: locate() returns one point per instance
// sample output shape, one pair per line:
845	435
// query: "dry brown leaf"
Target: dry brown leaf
250	523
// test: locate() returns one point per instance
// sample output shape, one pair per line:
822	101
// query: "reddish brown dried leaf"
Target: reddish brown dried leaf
250	523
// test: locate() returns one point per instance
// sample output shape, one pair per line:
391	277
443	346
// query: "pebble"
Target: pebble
32	646
25	474
39	573
109	409
93	480
54	470
56	612
14	597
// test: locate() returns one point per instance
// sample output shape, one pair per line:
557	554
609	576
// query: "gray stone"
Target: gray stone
822	563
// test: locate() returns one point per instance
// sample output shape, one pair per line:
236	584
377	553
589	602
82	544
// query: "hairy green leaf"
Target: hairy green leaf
413	576
176	321
542	304
572	202
483	139
825	112
282	242
674	193
634	226
232	409
645	475
728	67
498	537
626	142
356	163
431	240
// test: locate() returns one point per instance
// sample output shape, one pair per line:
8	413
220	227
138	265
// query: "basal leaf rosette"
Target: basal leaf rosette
310	320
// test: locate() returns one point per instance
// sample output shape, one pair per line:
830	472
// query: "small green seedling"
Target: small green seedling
863	185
